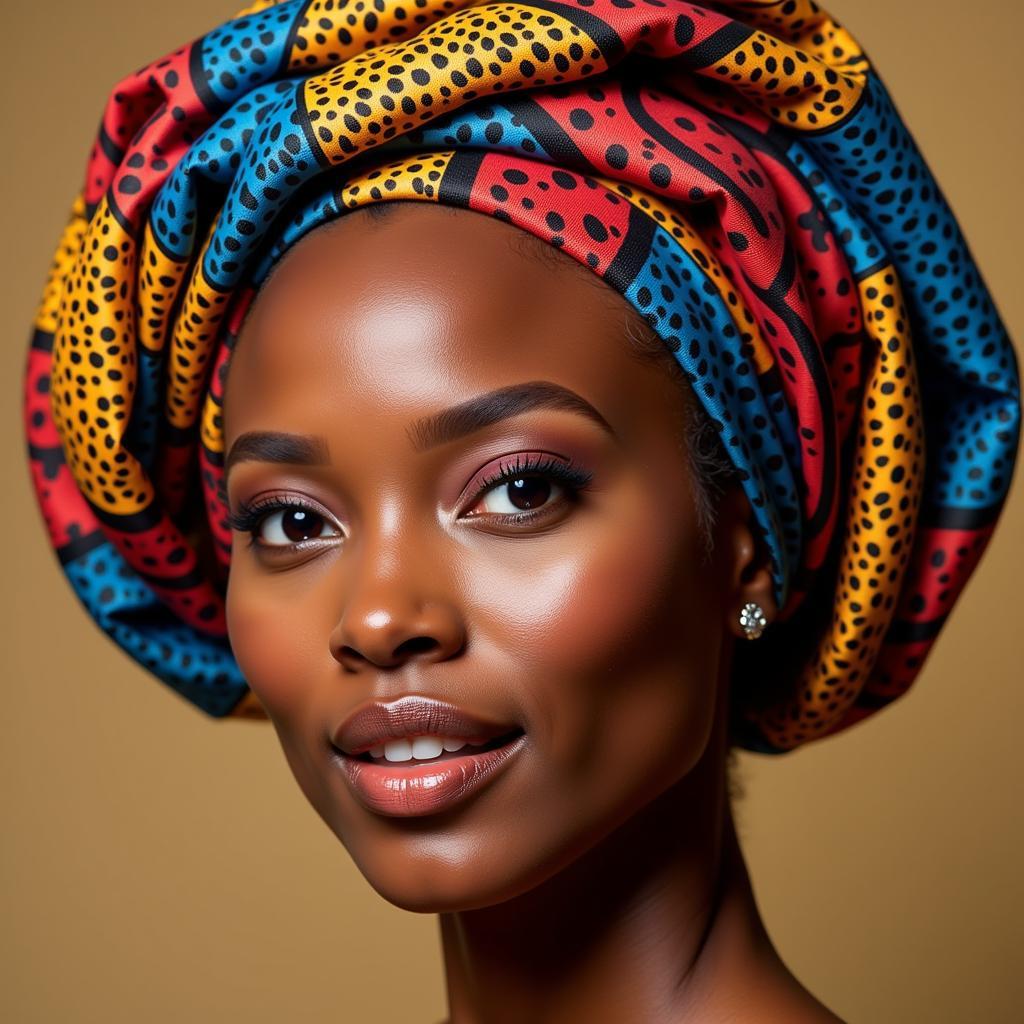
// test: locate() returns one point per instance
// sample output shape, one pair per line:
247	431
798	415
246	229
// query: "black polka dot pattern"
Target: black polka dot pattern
757	200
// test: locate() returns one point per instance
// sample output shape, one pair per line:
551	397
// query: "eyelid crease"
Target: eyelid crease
251	515
563	470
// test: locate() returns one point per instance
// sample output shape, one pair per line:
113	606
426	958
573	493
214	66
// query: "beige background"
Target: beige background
159	866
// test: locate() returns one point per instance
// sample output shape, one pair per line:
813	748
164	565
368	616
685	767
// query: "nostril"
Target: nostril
351	658
416	645
346	654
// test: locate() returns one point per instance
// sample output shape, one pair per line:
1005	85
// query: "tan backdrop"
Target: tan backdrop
159	866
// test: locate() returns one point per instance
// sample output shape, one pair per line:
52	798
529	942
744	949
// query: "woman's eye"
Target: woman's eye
293	525
531	486
523	493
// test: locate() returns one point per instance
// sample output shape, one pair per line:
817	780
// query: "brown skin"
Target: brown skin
599	877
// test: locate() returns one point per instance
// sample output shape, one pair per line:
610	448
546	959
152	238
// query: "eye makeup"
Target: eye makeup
523	471
517	470
250	517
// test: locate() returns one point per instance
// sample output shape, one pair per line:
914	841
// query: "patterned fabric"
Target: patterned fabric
735	170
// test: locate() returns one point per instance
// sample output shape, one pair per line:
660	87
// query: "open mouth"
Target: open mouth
468	749
419	786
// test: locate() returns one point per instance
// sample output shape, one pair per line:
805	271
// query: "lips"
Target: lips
379	722
408	790
431	787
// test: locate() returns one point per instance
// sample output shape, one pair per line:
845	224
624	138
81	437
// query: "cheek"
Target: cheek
614	633
280	647
277	639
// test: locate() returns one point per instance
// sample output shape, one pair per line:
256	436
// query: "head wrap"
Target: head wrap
735	170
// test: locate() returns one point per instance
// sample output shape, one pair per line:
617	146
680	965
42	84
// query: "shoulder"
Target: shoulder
796	1006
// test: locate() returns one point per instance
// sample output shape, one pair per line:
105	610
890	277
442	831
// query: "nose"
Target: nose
392	616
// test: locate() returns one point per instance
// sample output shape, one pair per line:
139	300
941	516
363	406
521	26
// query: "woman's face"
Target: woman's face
595	623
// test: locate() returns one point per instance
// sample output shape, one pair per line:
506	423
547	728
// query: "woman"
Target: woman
434	492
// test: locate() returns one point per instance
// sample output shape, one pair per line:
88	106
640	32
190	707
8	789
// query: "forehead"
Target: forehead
425	308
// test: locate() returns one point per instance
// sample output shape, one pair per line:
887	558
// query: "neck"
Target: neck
655	923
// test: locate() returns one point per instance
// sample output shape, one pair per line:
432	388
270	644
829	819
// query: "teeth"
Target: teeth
398	750
424	747
421	748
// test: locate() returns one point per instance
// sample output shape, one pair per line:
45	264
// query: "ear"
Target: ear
743	560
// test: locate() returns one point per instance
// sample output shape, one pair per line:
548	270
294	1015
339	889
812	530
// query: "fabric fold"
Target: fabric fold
736	171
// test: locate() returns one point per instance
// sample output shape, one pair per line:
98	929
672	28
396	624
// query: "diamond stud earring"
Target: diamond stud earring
752	620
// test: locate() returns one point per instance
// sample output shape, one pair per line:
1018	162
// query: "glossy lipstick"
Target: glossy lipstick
404	789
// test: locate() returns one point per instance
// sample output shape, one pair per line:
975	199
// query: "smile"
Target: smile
404	786
420	749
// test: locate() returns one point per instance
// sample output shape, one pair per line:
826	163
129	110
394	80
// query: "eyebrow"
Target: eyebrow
274	446
428	431
494	406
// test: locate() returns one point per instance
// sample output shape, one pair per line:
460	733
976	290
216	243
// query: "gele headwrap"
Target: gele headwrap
735	170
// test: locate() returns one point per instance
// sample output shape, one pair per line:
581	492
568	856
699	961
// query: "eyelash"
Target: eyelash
250	515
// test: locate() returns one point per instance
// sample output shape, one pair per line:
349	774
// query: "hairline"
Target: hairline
709	465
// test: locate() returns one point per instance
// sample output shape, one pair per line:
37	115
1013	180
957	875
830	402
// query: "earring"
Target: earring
752	620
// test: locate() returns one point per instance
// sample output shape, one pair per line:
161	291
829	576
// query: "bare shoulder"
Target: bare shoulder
769	995
788	1004
795	1006
813	1014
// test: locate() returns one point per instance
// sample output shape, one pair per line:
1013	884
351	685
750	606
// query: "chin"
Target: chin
431	866
427	868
